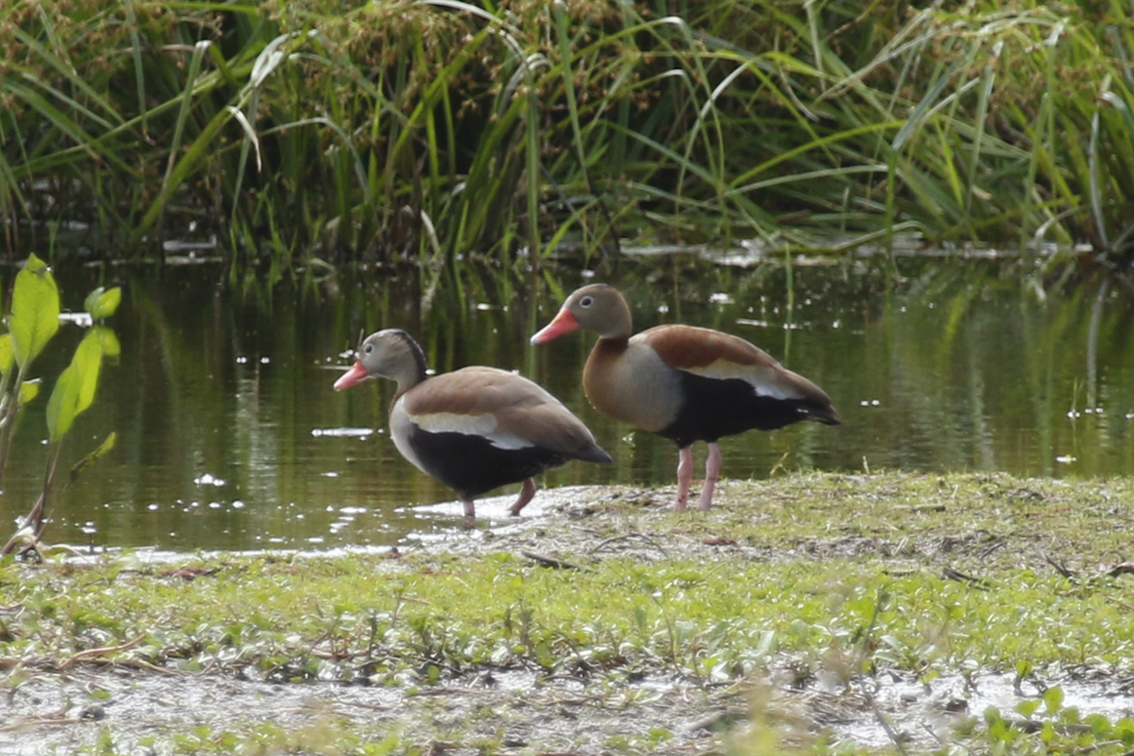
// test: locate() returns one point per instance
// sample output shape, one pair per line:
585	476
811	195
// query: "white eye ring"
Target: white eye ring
586	301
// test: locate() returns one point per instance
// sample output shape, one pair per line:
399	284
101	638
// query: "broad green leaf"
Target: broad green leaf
88	357
102	303
108	340
29	390
90	304
5	353
61	406
94	456
75	389
35	310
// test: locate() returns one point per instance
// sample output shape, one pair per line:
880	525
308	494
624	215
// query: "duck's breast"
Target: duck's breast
630	382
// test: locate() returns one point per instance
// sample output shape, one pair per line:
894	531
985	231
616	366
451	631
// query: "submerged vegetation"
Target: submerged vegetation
435	129
784	611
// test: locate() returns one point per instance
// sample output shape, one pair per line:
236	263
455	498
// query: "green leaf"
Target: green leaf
75	389
29	390
35	310
1053	699
90	362
5	353
94	456
108	340
61	406
102	303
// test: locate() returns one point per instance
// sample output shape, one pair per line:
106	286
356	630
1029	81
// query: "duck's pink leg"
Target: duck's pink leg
526	494
684	476
712	472
470	515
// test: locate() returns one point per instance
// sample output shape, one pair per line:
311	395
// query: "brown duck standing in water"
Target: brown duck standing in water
474	429
684	383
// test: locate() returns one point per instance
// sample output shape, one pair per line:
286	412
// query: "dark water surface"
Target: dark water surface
230	436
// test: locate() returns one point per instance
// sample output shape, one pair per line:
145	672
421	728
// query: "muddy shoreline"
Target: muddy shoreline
102	701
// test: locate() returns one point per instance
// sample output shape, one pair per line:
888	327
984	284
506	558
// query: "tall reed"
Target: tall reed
437	130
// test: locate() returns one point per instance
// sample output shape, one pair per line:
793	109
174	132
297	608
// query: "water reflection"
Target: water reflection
230	435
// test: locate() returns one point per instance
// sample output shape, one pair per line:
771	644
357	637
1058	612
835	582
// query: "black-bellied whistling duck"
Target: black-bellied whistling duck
473	429
684	383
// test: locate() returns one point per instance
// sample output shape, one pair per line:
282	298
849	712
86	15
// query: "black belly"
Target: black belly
714	408
470	465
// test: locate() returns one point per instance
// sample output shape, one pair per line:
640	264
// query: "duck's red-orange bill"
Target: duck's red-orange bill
357	374
563	323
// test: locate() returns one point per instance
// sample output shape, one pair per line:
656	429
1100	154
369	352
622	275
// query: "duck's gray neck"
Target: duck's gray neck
409	367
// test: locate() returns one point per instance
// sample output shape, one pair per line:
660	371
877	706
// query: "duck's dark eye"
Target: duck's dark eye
586	301
368	348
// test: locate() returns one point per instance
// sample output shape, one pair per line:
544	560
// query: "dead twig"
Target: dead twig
992	548
898	739
550	561
1059	566
188	572
26	723
1124	605
979	583
1035	725
920	508
95	652
1126	568
627	536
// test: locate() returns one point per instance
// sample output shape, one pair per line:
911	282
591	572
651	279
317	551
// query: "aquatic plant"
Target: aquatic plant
33	322
440	129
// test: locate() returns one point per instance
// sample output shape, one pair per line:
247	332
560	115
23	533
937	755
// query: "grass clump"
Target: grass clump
439	130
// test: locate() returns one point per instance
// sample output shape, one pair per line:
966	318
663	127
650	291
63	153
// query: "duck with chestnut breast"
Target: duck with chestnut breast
682	382
474	429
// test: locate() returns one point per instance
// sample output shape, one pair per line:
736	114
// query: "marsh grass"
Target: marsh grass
440	130
849	576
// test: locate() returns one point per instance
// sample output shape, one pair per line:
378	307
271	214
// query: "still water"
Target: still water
231	437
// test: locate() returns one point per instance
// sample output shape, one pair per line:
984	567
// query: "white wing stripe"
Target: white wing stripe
723	371
485	426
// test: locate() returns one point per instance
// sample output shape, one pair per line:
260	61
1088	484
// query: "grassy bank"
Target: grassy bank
440	129
825	581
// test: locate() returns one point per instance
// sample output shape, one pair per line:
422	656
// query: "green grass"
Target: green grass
444	130
846	574
682	616
848	561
